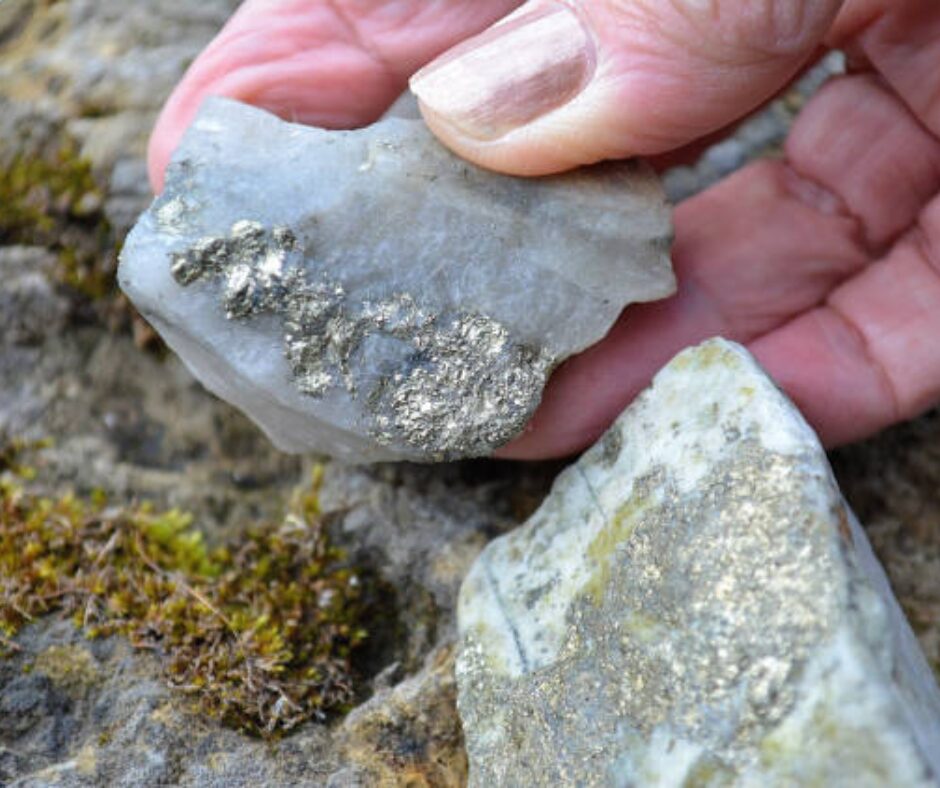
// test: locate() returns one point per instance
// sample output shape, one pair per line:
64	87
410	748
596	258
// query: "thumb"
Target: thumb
560	83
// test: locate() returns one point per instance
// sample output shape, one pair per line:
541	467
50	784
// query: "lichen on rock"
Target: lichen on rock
50	197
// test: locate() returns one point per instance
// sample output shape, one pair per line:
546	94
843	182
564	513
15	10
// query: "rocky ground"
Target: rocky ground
80	82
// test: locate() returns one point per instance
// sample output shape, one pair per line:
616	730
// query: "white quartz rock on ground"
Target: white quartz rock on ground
694	604
368	295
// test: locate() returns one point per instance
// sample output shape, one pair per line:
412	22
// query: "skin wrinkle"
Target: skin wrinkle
926	250
890	393
932	108
798	149
761	42
703	33
911	30
842	209
814	194
245	85
695	286
364	43
799	23
921	238
780	181
851	24
228	51
914	115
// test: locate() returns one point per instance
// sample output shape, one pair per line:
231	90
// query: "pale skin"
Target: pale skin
825	263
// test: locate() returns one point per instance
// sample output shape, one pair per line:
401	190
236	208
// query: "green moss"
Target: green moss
261	631
52	199
11	453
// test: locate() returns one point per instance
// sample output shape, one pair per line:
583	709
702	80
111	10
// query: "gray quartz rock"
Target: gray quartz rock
368	295
694	604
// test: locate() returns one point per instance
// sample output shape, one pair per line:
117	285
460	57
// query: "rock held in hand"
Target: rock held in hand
368	295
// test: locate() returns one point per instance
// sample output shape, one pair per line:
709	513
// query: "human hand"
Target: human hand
825	263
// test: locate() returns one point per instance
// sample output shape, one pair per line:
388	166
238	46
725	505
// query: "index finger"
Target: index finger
320	62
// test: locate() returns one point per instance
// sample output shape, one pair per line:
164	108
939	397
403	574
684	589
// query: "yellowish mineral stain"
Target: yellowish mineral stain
603	549
71	668
86	761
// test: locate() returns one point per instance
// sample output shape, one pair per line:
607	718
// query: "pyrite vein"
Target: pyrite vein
467	385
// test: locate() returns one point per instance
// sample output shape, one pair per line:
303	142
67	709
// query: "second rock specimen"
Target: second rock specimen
694	605
368	295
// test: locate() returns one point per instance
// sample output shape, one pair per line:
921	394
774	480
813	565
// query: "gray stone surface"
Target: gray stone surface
97	713
368	295
30	307
694	604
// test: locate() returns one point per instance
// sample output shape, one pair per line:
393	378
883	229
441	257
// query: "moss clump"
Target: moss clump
11	453
260	631
52	199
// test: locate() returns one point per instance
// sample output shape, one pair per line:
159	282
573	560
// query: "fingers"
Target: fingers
884	175
742	270
561	83
899	39
329	63
769	245
870	356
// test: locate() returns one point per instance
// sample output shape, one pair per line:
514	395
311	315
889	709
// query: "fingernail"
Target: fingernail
510	74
